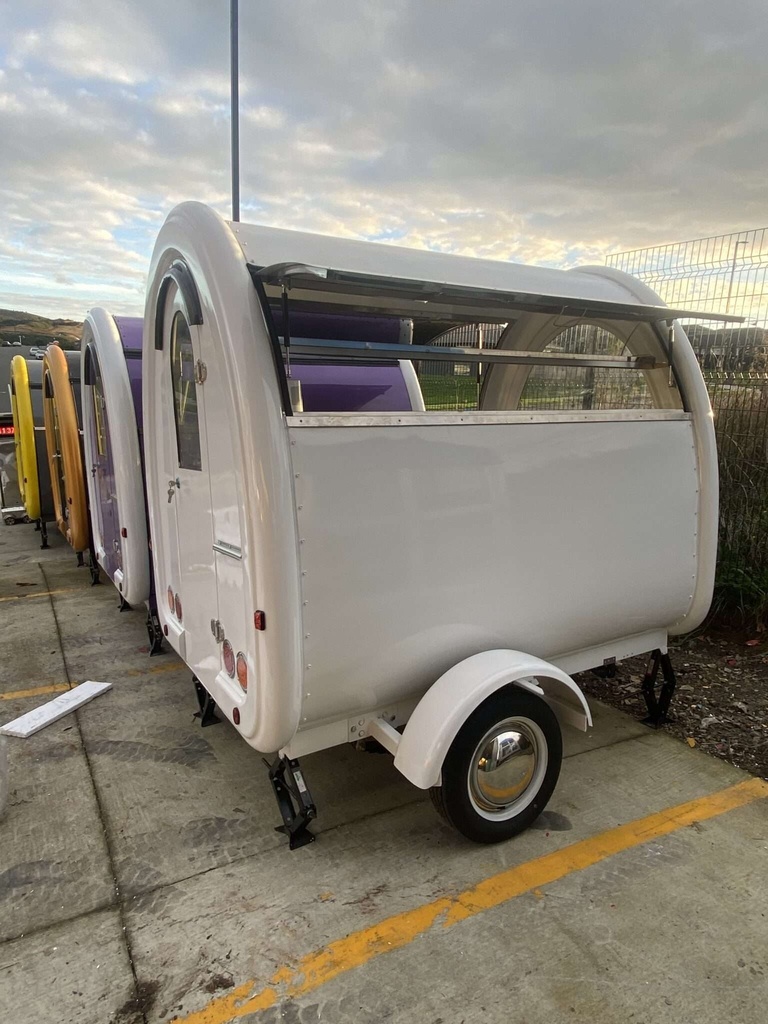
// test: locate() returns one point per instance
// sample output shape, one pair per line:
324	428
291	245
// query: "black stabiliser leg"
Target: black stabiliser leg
658	707
93	568
43	534
80	560
207	704
124	606
293	799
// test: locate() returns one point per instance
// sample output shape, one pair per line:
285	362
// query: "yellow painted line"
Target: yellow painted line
35	691
39	593
154	670
173	666
321	966
61	687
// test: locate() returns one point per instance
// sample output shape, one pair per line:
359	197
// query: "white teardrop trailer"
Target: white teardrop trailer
428	580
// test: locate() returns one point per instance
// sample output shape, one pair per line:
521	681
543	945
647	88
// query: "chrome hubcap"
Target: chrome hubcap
507	768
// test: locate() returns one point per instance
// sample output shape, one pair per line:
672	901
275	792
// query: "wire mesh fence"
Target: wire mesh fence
727	274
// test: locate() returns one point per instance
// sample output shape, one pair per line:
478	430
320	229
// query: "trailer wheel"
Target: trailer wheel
501	768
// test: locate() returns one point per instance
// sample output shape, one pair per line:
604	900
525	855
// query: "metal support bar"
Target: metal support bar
207	705
385	733
371	351
658	707
293	799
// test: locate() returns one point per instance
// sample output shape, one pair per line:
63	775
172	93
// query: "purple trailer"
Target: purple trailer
111	399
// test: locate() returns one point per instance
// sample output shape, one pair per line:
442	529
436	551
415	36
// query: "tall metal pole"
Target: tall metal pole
235	104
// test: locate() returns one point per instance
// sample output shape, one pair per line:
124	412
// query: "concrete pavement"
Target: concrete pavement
141	878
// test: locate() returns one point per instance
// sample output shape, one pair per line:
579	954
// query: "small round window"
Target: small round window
185	409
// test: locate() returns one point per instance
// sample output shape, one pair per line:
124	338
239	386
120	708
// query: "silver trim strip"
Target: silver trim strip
457	354
441	419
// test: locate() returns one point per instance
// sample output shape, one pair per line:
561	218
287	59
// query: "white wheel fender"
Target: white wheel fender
448	703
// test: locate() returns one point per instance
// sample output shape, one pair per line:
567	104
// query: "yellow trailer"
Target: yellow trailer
61	394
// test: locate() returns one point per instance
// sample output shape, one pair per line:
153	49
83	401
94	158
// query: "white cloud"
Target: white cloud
548	132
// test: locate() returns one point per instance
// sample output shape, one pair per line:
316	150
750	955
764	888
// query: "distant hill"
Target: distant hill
38	330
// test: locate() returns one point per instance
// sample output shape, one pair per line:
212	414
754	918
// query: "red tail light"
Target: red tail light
171	602
228	654
242	670
177	604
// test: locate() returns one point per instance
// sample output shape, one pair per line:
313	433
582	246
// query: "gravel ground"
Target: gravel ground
721	700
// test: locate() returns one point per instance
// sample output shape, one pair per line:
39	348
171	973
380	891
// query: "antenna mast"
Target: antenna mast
235	104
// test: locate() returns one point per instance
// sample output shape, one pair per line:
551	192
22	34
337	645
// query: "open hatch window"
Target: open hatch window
476	349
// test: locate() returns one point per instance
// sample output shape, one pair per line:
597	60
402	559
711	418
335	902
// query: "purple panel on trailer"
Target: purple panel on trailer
349	387
385	330
340	387
130	329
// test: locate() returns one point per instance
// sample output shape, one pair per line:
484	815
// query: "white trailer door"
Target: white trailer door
189	495
224	458
162	464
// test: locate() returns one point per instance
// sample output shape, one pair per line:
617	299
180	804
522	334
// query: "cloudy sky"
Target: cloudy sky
545	131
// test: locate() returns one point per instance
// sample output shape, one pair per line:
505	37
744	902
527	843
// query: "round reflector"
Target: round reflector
242	670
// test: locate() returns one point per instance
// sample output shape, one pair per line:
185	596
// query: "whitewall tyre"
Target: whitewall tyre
501	768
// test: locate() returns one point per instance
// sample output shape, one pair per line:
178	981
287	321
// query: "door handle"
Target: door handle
173	485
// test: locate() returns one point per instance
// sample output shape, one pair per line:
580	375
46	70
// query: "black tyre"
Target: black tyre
501	768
